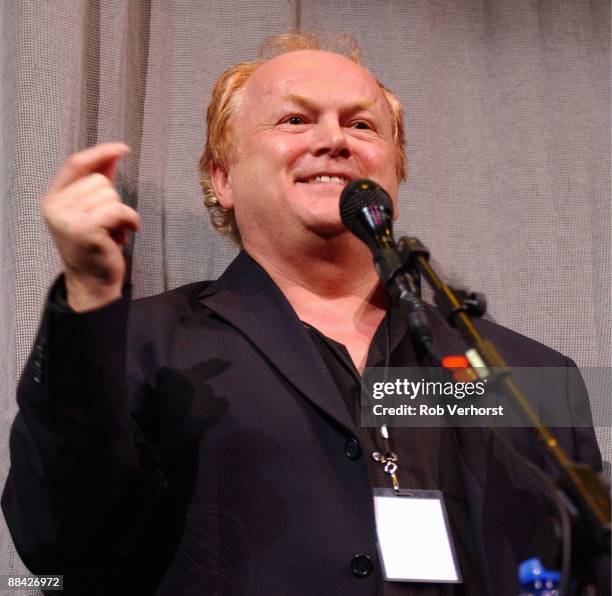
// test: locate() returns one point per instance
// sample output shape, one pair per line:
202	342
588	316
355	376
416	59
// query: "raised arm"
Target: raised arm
83	477
89	224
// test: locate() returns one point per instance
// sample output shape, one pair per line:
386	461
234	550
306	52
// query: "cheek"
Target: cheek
283	151
381	164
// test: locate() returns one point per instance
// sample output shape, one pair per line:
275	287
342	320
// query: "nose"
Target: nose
329	138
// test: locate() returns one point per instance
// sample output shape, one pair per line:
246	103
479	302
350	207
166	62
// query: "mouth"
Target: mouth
325	179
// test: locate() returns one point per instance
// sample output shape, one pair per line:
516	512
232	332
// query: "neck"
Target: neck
331	285
328	280
329	268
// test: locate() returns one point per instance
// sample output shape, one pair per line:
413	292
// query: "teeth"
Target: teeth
328	180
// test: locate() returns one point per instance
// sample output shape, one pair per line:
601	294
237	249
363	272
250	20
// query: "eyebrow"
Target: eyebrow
361	104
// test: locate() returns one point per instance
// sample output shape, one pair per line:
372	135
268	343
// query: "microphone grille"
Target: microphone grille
359	194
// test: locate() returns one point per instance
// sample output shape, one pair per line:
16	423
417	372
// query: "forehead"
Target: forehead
315	73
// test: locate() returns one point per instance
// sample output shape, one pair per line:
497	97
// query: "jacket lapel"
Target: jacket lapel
247	298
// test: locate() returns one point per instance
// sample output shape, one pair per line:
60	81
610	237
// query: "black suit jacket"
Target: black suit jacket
204	452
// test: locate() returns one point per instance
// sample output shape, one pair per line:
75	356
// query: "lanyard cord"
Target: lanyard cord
384	455
388	458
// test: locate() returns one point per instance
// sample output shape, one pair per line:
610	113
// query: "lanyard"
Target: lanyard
387	458
384	454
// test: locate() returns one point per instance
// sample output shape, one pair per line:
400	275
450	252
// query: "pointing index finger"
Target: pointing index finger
100	158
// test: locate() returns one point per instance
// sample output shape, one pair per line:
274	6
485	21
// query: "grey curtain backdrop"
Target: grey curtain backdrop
507	114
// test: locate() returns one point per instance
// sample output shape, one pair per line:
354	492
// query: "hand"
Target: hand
90	224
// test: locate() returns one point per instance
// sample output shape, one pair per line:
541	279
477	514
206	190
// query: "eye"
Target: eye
361	125
295	120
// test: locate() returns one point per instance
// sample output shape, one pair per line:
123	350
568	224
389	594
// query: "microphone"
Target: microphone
366	210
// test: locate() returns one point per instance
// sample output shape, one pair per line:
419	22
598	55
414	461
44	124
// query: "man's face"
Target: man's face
310	121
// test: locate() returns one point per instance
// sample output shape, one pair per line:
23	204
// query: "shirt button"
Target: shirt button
361	565
352	448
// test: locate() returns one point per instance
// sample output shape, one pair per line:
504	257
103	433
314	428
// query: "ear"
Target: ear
222	185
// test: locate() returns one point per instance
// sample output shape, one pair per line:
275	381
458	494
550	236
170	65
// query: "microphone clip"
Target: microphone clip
412	253
403	290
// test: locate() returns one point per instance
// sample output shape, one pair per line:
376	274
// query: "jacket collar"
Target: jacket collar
247	298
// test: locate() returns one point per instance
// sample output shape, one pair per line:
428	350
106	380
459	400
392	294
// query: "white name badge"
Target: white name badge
414	538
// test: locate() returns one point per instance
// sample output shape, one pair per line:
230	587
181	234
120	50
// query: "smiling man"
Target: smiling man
307	122
208	440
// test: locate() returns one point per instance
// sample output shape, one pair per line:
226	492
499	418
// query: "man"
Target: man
216	447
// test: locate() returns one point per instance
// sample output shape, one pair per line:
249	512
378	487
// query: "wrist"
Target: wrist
87	295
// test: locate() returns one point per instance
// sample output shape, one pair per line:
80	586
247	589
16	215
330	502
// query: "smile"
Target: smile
325	180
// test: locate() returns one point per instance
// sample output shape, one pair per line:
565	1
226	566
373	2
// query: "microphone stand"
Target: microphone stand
577	482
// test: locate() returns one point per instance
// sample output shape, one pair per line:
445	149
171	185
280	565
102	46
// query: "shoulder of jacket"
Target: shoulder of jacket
180	301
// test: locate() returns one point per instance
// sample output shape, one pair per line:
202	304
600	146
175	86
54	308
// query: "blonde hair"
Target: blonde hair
227	95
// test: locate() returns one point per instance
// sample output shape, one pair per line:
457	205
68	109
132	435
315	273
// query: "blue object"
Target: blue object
537	581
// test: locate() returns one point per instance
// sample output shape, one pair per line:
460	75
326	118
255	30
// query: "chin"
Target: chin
327	234
327	228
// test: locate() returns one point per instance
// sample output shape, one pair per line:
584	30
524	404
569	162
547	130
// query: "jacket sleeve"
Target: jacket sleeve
82	476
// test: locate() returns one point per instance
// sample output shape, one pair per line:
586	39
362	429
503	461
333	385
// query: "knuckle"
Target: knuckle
74	229
127	210
108	193
117	208
112	210
99	179
94	240
131	215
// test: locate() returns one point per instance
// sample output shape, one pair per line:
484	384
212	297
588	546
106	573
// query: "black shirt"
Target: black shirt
430	451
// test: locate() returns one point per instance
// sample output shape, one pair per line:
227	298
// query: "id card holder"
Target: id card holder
414	538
